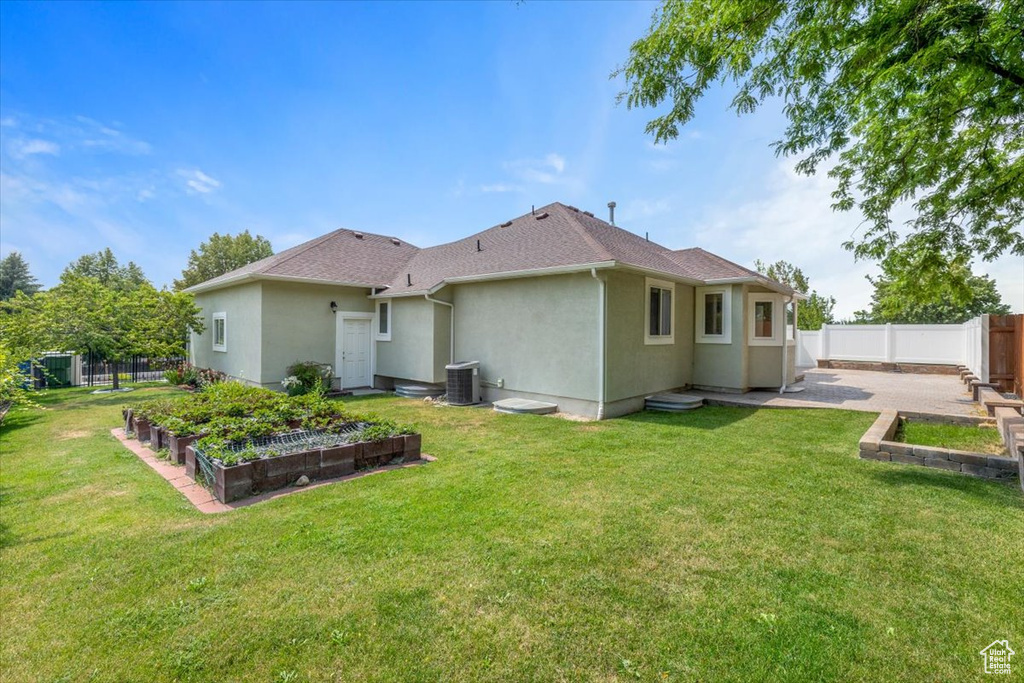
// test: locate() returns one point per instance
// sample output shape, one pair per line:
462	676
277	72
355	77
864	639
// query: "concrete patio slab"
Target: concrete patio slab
862	390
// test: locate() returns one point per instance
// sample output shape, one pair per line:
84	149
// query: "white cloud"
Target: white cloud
546	171
22	148
501	187
94	135
198	182
555	161
795	222
638	209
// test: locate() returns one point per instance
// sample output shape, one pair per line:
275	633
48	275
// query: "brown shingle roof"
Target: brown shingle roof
555	236
552	237
714	267
340	256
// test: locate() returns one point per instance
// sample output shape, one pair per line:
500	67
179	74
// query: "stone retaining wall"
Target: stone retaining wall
877	444
912	368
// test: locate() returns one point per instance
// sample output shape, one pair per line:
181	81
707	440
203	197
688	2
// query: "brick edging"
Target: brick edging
877	444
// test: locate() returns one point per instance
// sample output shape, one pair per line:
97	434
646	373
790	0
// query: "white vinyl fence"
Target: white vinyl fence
965	344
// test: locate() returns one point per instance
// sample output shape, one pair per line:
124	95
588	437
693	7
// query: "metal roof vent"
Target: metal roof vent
395	241
541	216
505	224
588	213
358	235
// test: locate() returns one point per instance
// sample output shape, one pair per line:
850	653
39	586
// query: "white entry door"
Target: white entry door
354	352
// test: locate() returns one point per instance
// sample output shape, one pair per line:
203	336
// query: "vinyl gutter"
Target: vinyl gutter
451	325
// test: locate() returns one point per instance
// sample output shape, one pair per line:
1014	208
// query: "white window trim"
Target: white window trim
778	315
223	317
665	338
698	332
377	335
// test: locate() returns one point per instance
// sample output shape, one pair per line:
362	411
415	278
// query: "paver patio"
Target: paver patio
862	390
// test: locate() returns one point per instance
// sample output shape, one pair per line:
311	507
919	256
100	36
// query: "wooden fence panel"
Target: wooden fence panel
1004	351
1018	366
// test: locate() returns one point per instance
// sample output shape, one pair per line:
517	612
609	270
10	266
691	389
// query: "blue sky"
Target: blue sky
147	127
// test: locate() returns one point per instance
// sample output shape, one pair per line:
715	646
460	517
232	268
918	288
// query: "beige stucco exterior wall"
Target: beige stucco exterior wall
724	366
765	362
633	367
537	334
418	349
243	309
766	366
300	326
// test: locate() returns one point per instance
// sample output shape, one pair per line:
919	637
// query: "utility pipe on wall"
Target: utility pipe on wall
451	321
600	343
785	341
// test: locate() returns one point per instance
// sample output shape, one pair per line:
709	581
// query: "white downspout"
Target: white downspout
451	321
600	344
785	341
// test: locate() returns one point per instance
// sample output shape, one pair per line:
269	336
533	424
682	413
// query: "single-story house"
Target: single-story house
556	305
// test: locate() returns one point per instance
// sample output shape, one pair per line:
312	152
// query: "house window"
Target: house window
763	319
713	313
220	331
383	321
660	323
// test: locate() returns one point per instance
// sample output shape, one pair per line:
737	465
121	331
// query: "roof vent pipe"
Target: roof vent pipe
478	246
611	212
533	209
408	279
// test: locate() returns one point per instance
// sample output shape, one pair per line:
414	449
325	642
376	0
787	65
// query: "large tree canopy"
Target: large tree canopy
104	267
956	294
812	313
16	277
912	100
222	254
101	307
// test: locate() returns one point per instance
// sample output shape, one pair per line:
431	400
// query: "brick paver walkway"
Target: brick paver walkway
203	499
863	390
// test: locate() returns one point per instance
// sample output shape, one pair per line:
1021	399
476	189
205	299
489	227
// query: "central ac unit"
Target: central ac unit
463	383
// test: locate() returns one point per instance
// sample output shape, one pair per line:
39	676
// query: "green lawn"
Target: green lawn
981	439
725	544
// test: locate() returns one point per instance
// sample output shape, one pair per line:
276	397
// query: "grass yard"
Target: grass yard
725	544
959	437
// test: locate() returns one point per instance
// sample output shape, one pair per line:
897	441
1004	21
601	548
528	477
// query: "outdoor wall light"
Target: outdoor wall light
334	307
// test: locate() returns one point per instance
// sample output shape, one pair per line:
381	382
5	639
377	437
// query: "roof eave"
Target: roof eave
210	286
661	273
504	275
764	282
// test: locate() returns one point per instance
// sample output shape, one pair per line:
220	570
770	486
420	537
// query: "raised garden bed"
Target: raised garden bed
880	442
282	460
242	440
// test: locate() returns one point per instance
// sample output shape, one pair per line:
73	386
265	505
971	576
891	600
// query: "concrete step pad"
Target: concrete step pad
524	406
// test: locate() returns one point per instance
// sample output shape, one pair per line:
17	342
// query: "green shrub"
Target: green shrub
306	377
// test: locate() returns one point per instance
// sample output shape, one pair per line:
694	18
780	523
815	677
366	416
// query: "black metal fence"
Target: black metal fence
97	371
55	370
